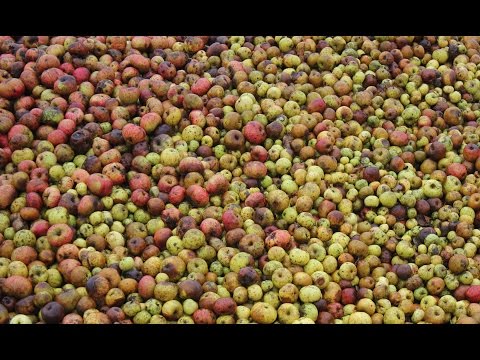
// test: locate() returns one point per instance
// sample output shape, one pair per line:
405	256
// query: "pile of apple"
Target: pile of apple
240	179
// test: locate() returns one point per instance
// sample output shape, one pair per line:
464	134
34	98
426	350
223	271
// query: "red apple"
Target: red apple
457	170
473	294
254	132
176	194
99	184
60	234
146	285
231	220
198	195
40	227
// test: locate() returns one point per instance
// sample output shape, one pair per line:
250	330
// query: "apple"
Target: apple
59	234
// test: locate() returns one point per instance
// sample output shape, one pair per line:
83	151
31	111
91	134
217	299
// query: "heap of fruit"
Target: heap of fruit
239	179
